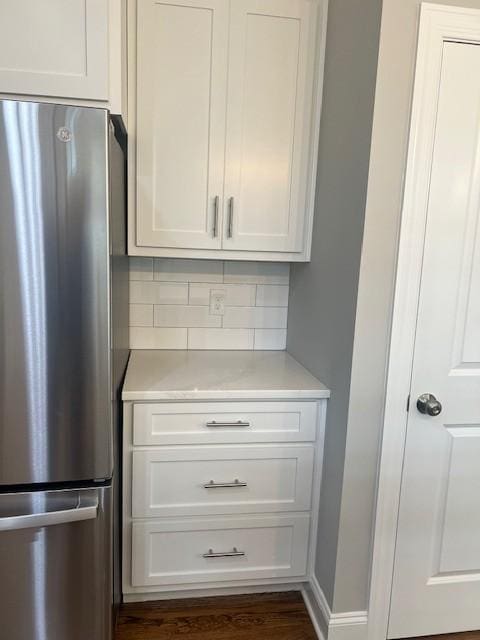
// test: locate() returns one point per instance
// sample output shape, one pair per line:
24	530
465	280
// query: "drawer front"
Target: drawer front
210	550
223	422
214	480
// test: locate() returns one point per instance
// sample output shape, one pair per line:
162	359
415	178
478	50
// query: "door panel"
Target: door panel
459	550
56	578
267	117
55	398
436	586
181	87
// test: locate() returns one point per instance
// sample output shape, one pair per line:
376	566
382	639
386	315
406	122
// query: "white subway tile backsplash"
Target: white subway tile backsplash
257	272
141	315
236	295
255	317
158	293
270	339
184	316
238	339
170	269
157	338
141	268
272	295
170	304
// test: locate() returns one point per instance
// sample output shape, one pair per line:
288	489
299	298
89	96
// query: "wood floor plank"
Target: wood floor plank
278	616
464	635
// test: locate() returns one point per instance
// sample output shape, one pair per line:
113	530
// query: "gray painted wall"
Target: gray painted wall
352	453
323	293
376	289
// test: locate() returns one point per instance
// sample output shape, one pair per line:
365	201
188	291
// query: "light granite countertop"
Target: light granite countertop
218	375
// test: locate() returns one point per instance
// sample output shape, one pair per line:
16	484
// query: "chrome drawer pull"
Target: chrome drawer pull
224	485
235	553
239	423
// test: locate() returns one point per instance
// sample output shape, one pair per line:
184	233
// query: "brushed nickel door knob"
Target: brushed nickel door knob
429	405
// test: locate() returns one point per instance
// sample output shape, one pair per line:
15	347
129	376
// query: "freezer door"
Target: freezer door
55	396
55	559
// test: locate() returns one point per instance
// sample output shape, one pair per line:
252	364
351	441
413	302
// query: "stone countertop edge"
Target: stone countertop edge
165	375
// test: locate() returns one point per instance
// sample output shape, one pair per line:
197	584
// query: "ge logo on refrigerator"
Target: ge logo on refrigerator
64	134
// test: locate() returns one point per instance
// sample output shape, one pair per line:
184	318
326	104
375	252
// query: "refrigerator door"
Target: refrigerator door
55	555
55	394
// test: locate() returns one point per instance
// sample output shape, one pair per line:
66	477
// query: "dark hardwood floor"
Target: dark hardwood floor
272	616
266	616
465	635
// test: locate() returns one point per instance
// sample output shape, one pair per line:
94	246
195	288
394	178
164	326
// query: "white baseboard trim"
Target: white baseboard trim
315	613
350	625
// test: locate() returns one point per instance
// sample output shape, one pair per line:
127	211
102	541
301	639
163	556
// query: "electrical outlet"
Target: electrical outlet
217	302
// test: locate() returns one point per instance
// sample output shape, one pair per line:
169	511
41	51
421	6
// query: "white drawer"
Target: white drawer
184	481
174	552
223	422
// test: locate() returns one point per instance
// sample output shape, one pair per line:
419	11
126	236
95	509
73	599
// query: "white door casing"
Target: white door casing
435	347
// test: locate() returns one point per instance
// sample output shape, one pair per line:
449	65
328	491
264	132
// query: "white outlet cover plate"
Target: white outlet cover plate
217	302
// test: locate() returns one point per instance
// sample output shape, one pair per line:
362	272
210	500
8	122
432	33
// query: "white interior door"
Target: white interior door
181	94
268	123
436	584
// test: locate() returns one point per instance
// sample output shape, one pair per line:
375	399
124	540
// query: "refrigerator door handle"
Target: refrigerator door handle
85	509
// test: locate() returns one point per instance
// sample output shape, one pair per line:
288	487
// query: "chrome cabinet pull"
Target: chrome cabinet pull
224	485
215	425
215	216
235	553
230	218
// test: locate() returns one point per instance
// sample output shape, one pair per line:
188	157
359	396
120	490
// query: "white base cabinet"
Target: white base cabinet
223	422
190	551
219	494
208	480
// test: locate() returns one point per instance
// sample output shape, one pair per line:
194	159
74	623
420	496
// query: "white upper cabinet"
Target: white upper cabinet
224	104
268	126
180	133
64	50
55	48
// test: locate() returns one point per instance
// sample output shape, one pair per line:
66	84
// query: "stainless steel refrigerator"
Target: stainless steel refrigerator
63	352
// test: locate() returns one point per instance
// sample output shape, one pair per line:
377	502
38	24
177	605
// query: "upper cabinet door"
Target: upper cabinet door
180	122
272	50
57	48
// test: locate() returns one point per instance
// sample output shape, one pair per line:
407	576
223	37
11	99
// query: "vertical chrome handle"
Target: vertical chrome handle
230	218
215	216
